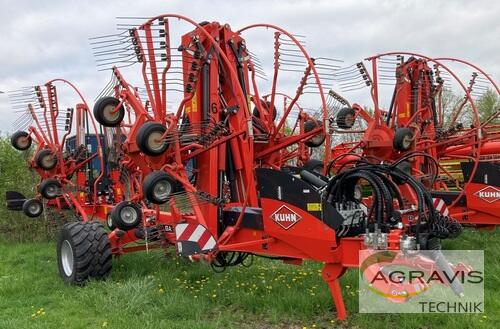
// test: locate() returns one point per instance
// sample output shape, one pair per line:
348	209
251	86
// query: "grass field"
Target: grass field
160	291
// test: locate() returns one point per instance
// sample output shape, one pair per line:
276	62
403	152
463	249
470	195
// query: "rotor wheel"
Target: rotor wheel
21	140
158	187
83	252
46	159
265	104
32	208
50	188
345	118
107	113
126	215
149	139
403	139
316	140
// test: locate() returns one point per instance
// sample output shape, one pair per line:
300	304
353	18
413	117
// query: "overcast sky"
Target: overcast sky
41	40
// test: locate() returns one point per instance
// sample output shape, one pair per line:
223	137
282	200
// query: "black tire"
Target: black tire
265	104
158	186
317	140
126	215
146	139
50	188
46	159
103	109
83	252
32	208
21	140
314	165
345	118
403	139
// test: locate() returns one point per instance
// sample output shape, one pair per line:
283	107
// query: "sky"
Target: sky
42	40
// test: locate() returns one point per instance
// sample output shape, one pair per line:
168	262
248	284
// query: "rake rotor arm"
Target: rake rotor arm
287	141
38	131
310	65
156	102
54	110
300	89
167	67
275	67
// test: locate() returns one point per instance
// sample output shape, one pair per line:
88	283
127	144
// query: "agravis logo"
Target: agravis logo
489	194
424	281
388	284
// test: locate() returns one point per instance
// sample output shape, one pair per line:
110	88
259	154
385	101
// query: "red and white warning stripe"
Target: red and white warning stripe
195	233
440	206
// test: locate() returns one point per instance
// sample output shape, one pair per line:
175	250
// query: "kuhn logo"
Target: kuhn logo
285	217
489	194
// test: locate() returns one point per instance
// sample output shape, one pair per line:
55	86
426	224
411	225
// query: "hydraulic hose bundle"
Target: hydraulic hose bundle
382	214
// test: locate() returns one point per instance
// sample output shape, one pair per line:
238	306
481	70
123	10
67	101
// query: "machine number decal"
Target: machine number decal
314	206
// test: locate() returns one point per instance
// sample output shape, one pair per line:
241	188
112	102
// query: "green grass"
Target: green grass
161	291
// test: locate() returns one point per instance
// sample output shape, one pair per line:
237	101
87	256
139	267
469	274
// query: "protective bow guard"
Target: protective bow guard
440	206
193	239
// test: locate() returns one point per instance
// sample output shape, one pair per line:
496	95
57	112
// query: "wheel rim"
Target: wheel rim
155	143
34	208
22	142
109	113
52	190
67	258
48	161
407	142
128	215
349	120
162	190
109	221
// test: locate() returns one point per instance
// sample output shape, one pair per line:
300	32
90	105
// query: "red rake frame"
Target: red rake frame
476	144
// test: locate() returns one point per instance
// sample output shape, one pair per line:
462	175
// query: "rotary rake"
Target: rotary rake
69	156
227	173
424	130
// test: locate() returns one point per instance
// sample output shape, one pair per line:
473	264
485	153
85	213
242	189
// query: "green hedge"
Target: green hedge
15	175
